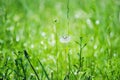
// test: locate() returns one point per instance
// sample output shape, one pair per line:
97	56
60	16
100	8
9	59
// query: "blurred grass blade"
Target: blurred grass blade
26	55
44	70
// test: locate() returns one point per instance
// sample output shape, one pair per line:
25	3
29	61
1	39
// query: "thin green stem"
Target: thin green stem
24	71
69	61
56	49
80	53
26	55
44	70
68	17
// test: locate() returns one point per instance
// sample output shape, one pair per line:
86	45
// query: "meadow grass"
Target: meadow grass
59	40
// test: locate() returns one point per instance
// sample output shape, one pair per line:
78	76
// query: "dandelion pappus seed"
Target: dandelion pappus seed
65	39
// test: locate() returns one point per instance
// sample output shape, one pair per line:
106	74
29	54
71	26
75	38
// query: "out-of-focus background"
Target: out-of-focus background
38	26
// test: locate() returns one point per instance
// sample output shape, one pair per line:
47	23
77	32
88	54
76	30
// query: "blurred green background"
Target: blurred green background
37	26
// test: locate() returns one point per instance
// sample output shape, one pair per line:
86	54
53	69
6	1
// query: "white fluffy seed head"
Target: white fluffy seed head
65	39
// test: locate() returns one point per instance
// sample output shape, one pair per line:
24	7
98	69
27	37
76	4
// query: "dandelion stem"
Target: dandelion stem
68	17
56	50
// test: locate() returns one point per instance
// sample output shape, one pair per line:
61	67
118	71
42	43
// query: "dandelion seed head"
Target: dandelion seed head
65	39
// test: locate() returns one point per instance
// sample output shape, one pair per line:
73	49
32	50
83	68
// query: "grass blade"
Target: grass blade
44	70
27	57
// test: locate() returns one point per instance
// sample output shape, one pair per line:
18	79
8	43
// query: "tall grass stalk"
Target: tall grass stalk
44	70
56	47
80	53
27	57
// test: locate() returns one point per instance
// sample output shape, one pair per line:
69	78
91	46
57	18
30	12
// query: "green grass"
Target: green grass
31	47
